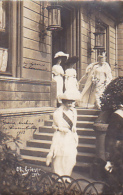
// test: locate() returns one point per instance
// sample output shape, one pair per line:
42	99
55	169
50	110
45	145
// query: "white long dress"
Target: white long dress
57	75
63	149
98	78
71	83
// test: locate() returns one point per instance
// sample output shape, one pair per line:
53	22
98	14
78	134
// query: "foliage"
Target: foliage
112	97
15	180
8	161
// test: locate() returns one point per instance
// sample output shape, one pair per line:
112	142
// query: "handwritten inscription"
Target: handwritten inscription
8	123
26	170
13	123
21	126
35	66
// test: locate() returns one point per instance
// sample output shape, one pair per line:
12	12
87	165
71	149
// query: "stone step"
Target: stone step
44	144
85	157
43	136
80	131
80	166
87	139
81	111
86	131
82	124
34	160
47	129
90	148
83	167
39	143
86	117
85	124
84	111
48	123
37	152
48	137
42	153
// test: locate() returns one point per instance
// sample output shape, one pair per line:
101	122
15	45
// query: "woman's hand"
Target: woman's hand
73	129
108	167
64	130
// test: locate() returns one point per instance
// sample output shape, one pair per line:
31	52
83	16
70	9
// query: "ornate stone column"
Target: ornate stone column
100	127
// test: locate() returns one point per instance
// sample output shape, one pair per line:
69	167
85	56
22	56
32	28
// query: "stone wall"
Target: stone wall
21	124
120	48
36	41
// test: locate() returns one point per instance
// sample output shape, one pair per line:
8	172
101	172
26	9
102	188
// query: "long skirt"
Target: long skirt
64	151
59	81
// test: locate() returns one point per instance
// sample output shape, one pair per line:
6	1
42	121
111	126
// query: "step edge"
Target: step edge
87	145
86	154
87	115
39	141
35	149
87	137
28	157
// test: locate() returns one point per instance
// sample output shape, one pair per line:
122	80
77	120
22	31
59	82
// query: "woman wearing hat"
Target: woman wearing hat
63	149
71	83
99	76
58	72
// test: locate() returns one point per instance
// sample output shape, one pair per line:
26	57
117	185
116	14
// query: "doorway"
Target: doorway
66	39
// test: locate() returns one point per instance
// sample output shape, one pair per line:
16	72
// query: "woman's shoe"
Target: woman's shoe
68	180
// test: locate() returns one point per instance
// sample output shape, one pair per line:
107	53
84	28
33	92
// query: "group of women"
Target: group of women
98	76
63	150
65	79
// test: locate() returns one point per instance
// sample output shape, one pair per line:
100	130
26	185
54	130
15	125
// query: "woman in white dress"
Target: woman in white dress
71	83
63	150
58	72
99	76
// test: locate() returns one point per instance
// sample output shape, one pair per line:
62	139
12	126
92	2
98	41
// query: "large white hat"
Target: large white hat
61	54
70	95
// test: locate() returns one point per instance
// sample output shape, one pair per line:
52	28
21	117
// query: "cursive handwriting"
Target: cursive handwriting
20	126
8	123
26	123
34	66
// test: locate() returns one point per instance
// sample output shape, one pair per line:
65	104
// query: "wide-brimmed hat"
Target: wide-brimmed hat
61	54
72	60
69	95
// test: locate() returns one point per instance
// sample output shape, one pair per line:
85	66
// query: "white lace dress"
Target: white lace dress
71	83
57	75
63	149
98	78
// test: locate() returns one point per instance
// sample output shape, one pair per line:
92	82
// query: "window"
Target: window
11	38
4	42
101	40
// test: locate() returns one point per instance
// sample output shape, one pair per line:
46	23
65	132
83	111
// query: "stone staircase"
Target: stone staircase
38	148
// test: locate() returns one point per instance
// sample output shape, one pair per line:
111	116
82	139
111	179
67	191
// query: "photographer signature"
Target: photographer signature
24	171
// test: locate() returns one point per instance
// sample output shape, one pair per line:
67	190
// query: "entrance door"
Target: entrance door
65	40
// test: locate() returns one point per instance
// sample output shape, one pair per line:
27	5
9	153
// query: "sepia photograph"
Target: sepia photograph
61	97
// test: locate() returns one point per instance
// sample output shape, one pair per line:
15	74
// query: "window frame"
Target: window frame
14	30
105	28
